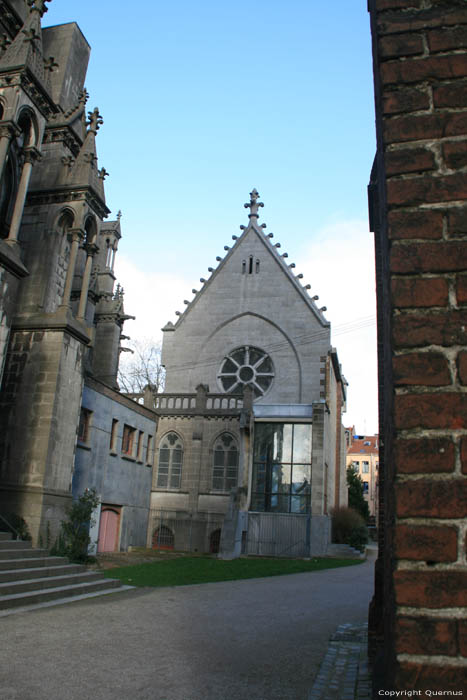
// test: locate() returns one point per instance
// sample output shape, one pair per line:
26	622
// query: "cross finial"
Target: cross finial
95	120
253	205
38	6
119	215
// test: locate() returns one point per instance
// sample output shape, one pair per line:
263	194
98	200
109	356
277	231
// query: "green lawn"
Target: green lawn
188	570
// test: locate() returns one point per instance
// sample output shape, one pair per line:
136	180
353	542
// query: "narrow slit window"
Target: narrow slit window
250	266
243	267
113	435
257	266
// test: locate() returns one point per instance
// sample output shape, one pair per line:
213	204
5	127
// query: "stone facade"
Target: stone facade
60	316
252	328
418	211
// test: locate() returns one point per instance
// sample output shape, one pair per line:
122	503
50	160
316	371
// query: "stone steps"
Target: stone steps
40	572
344	551
31	562
31	578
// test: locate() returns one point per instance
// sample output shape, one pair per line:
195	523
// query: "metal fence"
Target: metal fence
179	531
278	535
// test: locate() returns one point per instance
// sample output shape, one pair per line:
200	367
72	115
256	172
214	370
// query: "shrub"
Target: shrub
348	527
73	540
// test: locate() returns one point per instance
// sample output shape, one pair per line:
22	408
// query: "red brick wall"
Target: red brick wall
419	211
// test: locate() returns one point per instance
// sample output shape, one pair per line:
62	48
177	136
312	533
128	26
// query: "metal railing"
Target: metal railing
179	531
10	527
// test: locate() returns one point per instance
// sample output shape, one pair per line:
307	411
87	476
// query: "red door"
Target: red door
108	530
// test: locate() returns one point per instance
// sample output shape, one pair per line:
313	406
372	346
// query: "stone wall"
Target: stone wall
419	212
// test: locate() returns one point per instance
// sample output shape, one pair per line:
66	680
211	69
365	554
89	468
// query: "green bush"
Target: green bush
348	527
357	500
73	540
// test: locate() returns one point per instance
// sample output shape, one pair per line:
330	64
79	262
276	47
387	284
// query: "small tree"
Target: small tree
143	368
356	498
73	540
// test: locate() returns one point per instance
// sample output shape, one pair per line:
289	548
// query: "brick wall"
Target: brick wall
419	212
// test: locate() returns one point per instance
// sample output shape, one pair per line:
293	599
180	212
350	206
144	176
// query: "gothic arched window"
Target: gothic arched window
225	463
169	473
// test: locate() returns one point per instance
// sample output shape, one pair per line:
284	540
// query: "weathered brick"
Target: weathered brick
436	499
462	366
457	221
462	634
431	589
419	190
423	543
394	23
447	38
421	368
449	328
405	100
464	455
424	126
419	292
423	676
417	69
409	160
455	154
461	289
396	4
446	410
422	223
414	258
450	95
401	45
422	635
425	455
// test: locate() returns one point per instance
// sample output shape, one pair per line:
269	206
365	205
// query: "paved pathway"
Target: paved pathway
262	639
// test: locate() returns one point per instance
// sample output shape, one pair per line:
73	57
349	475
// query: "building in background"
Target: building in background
250	420
363	456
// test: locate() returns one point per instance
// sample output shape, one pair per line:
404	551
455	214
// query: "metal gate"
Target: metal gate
278	535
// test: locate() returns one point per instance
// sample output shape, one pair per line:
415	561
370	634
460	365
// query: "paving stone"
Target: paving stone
344	672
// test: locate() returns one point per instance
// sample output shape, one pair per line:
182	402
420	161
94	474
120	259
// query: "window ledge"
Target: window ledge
128	458
112	453
83	446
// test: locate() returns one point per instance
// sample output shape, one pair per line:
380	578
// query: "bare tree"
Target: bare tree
142	367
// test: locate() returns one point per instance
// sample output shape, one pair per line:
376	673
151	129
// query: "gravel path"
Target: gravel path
260	639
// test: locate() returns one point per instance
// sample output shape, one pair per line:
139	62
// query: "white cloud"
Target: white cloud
152	297
339	264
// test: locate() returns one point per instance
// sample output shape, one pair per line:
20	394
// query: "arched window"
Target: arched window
91	229
169	474
163	538
65	221
225	463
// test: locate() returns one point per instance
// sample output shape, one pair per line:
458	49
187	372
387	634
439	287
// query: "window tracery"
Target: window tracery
246	366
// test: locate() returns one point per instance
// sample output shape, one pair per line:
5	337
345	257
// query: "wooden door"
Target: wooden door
108	530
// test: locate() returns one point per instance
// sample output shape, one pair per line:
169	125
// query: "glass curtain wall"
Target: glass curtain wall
282	468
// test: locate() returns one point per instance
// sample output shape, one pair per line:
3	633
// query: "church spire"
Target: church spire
253	205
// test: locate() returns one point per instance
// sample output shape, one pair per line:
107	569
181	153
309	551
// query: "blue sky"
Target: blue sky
204	101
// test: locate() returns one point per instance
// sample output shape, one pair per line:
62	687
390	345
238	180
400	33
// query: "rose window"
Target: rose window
246	366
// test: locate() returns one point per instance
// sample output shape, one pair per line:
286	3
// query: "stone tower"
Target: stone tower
59	315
